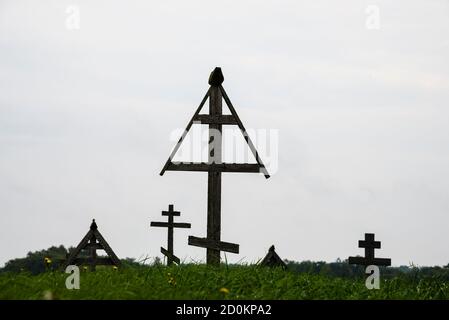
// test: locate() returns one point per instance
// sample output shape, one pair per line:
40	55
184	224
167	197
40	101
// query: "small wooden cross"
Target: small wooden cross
369	245
170	225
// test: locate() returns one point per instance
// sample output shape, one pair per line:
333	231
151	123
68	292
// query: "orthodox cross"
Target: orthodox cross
369	245
214	167
170	225
92	242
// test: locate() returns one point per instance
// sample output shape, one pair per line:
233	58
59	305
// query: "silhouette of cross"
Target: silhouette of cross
170	225
369	245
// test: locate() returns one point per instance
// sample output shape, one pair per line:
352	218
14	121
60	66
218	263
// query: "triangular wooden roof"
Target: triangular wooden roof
93	241
272	259
216	79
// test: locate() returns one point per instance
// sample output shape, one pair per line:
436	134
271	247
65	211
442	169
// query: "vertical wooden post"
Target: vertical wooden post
170	235
93	255
214	178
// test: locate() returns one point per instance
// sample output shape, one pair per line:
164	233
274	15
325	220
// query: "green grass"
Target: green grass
202	282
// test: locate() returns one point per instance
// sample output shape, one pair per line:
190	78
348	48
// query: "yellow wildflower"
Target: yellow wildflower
224	290
48	295
171	280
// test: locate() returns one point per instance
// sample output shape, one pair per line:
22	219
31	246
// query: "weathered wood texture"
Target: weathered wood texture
216	77
169	255
272	259
214	245
98	261
214	167
214	177
92	242
225	119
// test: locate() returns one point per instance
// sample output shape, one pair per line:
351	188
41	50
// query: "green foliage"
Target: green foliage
203	282
345	270
32	278
34	261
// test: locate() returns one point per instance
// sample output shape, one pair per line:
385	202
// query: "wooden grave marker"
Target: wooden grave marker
369	245
214	167
272	259
170	225
92	242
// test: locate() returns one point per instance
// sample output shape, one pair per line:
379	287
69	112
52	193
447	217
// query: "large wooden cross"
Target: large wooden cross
214	167
369	245
170	225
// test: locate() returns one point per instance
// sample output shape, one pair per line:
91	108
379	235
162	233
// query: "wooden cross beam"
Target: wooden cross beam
214	167
369	245
213	245
170	225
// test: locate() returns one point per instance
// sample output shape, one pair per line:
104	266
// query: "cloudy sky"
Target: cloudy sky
91	93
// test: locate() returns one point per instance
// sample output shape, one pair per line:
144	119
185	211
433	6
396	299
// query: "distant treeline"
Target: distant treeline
45	260
345	270
52	258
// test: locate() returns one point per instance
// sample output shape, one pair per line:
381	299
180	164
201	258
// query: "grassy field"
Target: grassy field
202	282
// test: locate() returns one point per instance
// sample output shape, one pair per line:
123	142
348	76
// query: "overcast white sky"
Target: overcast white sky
362	115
